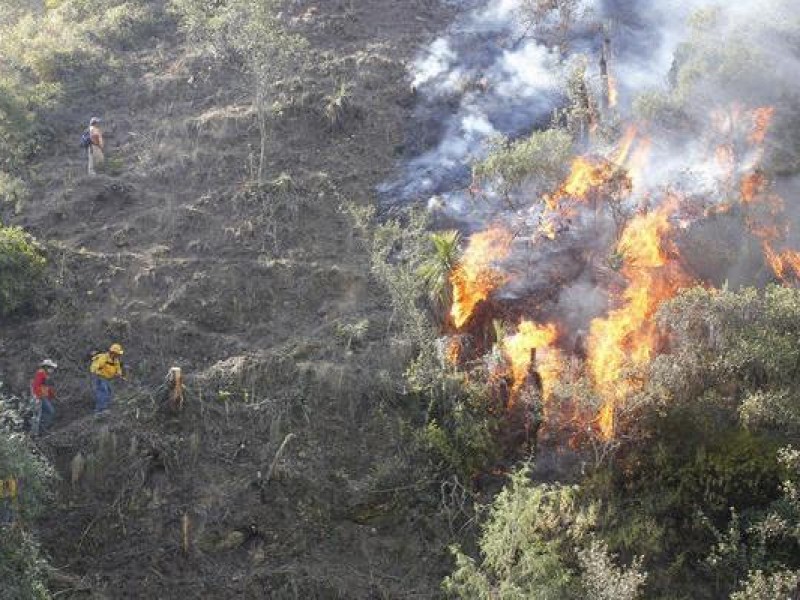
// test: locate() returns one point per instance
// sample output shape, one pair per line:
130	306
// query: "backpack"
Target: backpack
86	139
92	357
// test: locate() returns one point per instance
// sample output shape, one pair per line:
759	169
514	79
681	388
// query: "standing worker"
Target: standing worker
105	367
42	396
94	150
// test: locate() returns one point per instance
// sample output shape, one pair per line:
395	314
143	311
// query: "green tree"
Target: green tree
537	543
553	20
437	268
251	33
541	161
21	270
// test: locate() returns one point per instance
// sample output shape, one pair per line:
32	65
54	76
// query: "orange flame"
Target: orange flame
548	229
752	185
589	173
762	119
453	351
726	159
627	334
475	278
637	162
585	175
549	360
783	263
765	207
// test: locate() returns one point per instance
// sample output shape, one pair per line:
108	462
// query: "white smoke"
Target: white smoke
530	72
438	60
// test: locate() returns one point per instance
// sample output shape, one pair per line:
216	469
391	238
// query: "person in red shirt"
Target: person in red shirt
43	394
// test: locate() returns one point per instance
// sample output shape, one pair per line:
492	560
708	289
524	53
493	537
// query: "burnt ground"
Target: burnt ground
262	294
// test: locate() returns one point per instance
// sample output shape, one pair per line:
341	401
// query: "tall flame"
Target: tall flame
752	185
628	334
783	263
475	277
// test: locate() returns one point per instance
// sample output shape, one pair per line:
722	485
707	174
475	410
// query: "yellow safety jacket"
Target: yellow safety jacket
106	367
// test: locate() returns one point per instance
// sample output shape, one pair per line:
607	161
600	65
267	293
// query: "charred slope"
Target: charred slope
256	292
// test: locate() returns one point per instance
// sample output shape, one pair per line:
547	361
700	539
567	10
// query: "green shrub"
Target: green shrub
538	543
13	190
739	347
21	271
22	568
542	159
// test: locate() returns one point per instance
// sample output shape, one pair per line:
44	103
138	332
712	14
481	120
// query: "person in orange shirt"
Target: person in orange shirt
95	149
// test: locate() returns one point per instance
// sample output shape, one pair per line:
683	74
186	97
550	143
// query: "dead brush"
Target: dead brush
279	203
339	107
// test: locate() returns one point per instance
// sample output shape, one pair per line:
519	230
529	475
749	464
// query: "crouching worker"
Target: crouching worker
105	367
42	396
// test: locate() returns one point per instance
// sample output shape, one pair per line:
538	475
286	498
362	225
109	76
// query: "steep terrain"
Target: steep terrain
262	295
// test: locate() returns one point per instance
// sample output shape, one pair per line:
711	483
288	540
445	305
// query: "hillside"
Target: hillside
251	290
470	299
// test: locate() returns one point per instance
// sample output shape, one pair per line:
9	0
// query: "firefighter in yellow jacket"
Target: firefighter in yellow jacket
105	367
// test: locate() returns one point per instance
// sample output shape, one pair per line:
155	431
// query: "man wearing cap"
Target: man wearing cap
43	394
95	149
105	367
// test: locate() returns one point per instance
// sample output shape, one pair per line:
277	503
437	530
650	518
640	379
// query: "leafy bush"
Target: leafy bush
20	134
537	543
21	270
458	428
739	347
762	551
13	190
540	159
768	587
20	459
22	568
604	580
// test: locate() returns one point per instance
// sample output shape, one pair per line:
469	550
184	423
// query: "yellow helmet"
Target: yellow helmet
116	349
